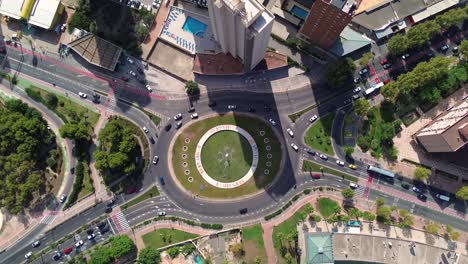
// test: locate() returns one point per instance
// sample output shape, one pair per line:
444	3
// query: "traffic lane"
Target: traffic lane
149	206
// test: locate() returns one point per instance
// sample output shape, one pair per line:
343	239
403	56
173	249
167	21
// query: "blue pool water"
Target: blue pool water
198	259
194	26
299	12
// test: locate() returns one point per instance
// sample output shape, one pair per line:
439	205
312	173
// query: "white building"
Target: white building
242	28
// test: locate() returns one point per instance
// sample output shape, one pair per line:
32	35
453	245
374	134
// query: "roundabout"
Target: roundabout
225	157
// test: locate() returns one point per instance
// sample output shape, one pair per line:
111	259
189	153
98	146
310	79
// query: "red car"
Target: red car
315	175
124	78
386	81
384	61
377	80
130	190
68	250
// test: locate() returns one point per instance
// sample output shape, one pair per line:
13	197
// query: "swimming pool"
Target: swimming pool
299	12
194	26
198	259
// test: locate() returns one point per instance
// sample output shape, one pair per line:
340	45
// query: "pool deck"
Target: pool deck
173	33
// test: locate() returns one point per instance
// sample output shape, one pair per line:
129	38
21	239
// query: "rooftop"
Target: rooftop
262	21
97	51
319	248
349	42
249	10
43	13
12	8
447	120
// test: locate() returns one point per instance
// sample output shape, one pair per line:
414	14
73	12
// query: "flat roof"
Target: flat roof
249	10
11	8
434	9
447	120
43	13
262	21
97	51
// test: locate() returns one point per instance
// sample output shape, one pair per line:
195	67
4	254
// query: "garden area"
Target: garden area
194	182
252	243
318	136
164	237
124	26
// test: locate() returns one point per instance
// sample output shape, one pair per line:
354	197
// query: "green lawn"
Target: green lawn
87	186
252	243
228	143
152	192
326	207
286	227
318	136
196	130
310	166
164	236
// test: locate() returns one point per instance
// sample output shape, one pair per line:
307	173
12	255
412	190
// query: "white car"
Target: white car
290	132
273	122
145	129
353	185
28	255
313	118
149	88
357	90
63	197
162	213
194	116
132	73
294	146
82	95
339	162
178	116
232	107
79	243
324	157
155	160
129	60
92	236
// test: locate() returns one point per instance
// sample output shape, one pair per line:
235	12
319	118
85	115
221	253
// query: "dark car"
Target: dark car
124	78
364	71
108	210
72	170
405	186
57	256
110	203
211	103
102	224
422	197
243	211
89	231
168	127
152	140
308	150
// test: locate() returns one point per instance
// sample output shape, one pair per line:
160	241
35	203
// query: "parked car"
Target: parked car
357	90
194	116
124	78
364	71
444	48
340	162
79	243
273	122
149	88
313	118
82	95
455	50
315	175
405	186
347	101
145	129
308	150
28	255
422	197
232	107
152	140
294	146
178	116
91	236
386	66
57	256
109	204
405	56
357	80
155	159
68	250
102	225
386	81
290	132
108	210
416	189
355	97
132	73
323	156
129	60
140	70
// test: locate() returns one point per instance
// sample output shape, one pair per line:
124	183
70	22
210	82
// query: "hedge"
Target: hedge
77	185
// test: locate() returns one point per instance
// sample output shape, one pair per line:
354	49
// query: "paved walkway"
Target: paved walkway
153	35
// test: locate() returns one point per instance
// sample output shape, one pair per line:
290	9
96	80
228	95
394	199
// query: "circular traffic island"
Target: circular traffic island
226	156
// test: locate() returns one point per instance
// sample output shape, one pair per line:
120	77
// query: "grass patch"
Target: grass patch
327	207
152	192
310	166
285	228
409	118
156	119
252	242
87	185
318	136
164	236
296	115
196	130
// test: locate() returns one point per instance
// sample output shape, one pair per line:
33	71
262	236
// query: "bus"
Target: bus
373	89
381	171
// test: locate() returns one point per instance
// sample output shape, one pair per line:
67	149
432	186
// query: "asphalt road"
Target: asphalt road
178	202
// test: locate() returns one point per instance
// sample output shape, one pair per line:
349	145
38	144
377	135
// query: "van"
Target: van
161	179
443	197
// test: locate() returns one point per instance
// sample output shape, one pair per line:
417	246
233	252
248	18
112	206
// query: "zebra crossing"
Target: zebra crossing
360	191
120	222
48	219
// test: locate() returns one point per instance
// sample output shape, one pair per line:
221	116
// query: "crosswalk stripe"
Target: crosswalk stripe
47	219
121	222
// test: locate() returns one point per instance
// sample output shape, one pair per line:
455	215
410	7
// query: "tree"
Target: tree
361	107
149	255
397	45
101	255
432	228
347	193
406	219
258	260
366	57
339	73
237	250
422	173
51	101
141	31
450	18
315	218
421	33
384	214
191	88
368	216
463	49
348	151
462	193
173	252
380	201
355	213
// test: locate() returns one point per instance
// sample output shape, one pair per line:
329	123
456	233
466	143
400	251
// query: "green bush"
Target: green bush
77	185
307	191
35	95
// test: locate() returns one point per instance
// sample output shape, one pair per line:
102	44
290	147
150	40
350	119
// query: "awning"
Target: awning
434	9
393	28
